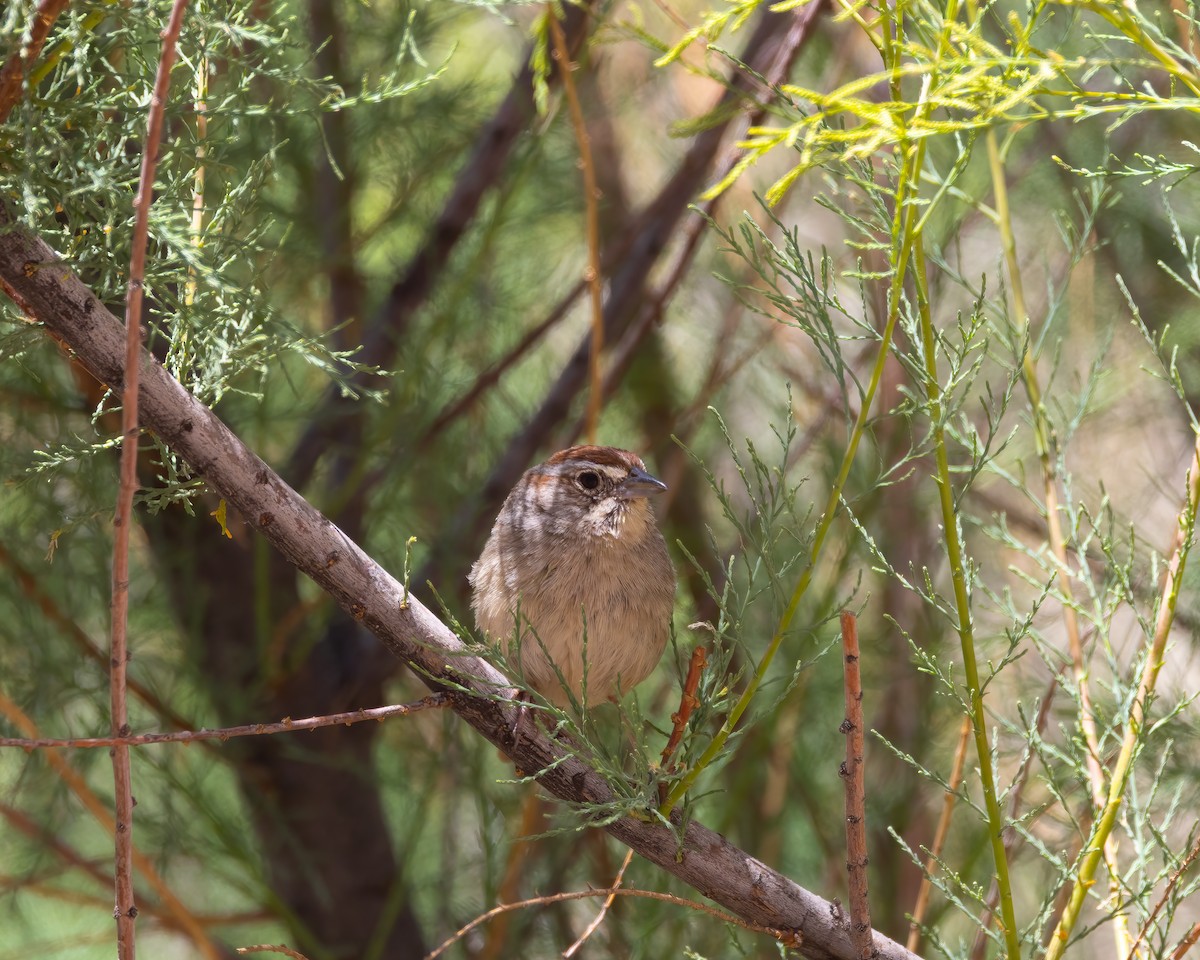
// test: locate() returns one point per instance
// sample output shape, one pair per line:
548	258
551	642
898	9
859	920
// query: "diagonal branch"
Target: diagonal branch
770	52
49	292
495	143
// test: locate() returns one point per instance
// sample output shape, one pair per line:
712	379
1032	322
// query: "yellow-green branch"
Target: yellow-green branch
911	159
1103	827
1048	457
966	630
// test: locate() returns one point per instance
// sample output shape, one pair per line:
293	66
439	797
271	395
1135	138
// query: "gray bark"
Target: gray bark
49	292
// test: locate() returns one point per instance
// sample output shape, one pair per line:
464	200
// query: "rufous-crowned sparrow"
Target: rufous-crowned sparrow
576	543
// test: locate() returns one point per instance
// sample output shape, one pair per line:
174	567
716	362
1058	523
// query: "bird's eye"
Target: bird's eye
589	479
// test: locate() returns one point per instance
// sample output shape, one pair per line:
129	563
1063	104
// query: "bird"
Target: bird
576	551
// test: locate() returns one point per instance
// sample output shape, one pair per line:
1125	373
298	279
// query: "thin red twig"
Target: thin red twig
939	837
12	76
126	910
1175	878
852	774
1187	943
687	703
228	733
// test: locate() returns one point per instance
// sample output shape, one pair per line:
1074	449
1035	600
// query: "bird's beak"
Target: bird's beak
639	484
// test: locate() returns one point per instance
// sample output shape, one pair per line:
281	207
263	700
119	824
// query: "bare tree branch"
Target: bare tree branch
228	733
49	292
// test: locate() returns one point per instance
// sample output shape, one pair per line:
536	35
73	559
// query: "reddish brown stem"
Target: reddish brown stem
12	76
687	703
852	774
1175	878
229	733
1187	943
939	838
126	910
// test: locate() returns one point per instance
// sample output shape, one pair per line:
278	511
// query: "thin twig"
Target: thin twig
592	209
939	837
687	703
126	910
12	76
1048	458
604	908
1012	838
273	948
99	810
229	733
790	938
1187	942
1175	878
1086	876
533	810
853	774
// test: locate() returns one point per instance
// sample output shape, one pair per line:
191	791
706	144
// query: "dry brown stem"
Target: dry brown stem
12	76
1175	878
126	909
687	703
939	837
787	937
1187	942
377	714
853	774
